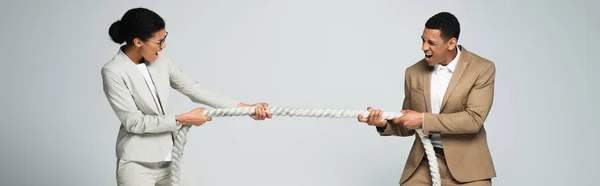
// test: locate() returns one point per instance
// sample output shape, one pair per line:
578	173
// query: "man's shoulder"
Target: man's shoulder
477	60
417	67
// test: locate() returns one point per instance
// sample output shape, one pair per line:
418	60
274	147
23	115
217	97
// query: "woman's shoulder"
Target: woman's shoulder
115	65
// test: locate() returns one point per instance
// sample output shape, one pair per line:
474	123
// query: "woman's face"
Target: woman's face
151	47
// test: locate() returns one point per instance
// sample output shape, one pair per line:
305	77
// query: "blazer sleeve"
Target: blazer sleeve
478	105
123	105
392	129
192	89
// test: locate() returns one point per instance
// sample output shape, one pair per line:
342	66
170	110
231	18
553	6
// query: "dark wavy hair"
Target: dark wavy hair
446	23
136	23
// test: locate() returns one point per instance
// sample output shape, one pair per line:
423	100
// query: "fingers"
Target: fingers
370	116
263	112
199	110
374	117
199	124
407	111
198	117
397	120
400	119
378	115
268	114
202	120
406	125
361	119
260	112
257	112
410	126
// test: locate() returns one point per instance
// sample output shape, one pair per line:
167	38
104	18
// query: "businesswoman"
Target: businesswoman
136	82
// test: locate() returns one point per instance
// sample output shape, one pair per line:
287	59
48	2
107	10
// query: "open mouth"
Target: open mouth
428	56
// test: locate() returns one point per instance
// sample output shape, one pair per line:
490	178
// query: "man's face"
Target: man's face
436	50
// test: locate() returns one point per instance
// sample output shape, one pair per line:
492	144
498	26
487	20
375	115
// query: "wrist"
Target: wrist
383	125
394	121
179	119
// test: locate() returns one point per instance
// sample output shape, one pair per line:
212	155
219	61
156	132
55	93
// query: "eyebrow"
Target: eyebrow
430	41
163	38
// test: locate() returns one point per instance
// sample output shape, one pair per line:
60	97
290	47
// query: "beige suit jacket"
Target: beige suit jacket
145	133
465	106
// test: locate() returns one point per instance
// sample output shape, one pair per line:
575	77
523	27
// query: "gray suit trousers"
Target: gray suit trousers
132	173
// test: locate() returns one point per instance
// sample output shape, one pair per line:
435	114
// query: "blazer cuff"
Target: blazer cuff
381	129
430	119
386	130
172	122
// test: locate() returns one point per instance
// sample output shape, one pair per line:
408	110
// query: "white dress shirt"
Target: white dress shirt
144	70
440	78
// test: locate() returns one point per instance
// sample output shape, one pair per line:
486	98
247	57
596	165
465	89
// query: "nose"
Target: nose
425	47
164	45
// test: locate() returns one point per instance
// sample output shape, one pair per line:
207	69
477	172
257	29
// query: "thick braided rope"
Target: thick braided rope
180	138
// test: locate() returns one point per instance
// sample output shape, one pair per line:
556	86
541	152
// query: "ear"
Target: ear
452	43
137	42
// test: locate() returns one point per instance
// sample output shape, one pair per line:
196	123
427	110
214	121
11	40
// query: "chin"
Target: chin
429	63
151	58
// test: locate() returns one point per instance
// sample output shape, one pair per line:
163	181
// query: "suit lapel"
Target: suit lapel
463	61
427	86
157	79
139	83
137	79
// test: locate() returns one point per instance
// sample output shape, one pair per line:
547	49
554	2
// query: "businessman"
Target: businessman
448	94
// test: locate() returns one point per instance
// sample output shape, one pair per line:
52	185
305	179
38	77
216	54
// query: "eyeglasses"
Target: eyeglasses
160	42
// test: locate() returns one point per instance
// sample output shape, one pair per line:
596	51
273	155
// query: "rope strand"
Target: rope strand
181	135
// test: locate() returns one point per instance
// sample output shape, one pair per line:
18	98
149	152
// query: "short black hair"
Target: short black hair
136	23
446	23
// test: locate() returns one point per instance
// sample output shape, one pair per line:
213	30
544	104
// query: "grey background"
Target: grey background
58	128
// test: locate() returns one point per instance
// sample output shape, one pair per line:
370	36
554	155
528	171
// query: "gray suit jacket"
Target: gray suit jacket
145	133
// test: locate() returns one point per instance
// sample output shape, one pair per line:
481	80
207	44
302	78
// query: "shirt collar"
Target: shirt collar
452	65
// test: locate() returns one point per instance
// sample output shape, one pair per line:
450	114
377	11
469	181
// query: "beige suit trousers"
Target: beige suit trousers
422	176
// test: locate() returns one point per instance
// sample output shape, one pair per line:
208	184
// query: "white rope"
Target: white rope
180	137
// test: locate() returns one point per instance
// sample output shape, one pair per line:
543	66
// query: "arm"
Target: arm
471	120
190	88
126	110
393	127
